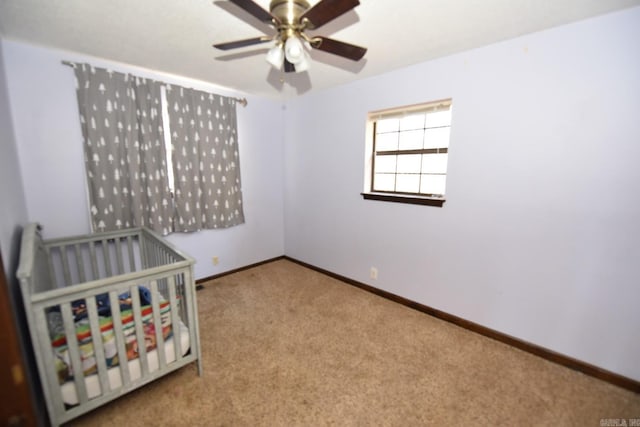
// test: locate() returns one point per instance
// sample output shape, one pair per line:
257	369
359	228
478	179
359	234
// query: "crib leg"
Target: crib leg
200	367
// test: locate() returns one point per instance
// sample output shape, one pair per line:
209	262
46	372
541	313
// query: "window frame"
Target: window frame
399	196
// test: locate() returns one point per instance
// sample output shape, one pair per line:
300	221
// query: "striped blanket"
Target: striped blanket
85	341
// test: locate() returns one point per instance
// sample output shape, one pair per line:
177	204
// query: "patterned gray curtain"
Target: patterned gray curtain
121	120
206	162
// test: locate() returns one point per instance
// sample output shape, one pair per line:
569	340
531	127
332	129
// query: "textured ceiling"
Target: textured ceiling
175	36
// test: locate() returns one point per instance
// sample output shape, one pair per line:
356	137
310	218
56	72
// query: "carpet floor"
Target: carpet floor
283	345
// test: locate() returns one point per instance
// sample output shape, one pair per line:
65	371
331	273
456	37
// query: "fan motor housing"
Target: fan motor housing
288	12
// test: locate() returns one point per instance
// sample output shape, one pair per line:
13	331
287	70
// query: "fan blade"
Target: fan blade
339	48
289	67
254	9
241	43
327	10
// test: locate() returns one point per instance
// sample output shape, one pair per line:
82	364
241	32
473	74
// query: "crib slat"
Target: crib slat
107	257
175	321
152	254
80	264
189	294
150	259
116	317
98	346
94	260
52	270
143	251
137	320
156	253
183	292
119	260
162	283
74	352
65	266
132	261
194	328
157	323
53	398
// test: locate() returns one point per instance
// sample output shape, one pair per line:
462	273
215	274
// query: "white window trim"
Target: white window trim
400	197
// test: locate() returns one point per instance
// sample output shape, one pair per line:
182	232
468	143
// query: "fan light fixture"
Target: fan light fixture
290	19
293	50
295	53
275	56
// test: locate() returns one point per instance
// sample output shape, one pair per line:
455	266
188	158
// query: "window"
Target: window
408	151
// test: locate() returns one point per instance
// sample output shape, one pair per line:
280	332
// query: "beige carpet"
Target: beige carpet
286	346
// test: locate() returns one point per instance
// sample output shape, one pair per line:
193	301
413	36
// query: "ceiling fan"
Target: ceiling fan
290	19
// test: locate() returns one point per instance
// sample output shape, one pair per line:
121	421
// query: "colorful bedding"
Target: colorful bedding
85	342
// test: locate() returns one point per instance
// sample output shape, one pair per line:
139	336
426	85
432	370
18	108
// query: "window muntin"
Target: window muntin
410	149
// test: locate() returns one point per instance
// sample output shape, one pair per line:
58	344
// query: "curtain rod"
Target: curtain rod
241	101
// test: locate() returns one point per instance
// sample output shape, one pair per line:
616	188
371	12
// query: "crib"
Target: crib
107	313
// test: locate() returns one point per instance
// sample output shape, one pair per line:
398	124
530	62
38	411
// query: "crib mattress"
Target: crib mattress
92	382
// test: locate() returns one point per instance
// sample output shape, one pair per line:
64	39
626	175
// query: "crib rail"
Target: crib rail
56	274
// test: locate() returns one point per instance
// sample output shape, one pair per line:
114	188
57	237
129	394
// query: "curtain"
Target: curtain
205	157
125	157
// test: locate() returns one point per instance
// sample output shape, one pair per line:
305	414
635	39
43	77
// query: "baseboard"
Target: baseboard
561	359
199	282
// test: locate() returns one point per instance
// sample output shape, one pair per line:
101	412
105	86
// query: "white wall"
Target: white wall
47	130
13	210
540	234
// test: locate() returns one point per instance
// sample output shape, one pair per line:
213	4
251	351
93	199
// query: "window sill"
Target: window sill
404	198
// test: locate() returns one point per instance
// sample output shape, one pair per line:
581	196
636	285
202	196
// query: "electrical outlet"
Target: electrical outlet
374	273
215	260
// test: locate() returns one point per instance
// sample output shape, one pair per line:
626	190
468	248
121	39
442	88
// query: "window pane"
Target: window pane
414	121
433	184
385	164
441	118
408	183
437	138
384	182
411	140
409	163
387	141
434	163
387	125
